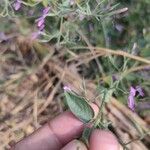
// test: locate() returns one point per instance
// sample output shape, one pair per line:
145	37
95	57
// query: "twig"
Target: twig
115	52
92	51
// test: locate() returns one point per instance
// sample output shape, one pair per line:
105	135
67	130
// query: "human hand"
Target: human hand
60	134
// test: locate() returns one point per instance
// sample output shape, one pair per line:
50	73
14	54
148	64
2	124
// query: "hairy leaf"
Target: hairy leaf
79	107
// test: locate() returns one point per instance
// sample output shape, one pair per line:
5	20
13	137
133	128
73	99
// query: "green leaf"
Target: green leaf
79	107
86	135
105	93
108	95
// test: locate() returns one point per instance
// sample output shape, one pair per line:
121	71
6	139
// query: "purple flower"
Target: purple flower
140	91
131	101
41	23
41	20
132	91
46	10
41	28
67	89
17	5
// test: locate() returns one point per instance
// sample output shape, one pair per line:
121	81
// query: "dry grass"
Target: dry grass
31	91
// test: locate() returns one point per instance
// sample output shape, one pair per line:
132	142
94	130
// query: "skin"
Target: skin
61	134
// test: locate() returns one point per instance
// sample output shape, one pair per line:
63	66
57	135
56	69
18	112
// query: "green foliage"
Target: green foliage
79	107
100	23
97	23
86	135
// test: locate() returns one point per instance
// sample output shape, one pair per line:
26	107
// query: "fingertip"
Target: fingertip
75	145
103	140
66	127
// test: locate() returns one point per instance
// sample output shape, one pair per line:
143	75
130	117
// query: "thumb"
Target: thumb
74	145
103	140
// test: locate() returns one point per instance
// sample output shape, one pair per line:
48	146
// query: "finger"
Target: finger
55	134
103	140
68	127
75	145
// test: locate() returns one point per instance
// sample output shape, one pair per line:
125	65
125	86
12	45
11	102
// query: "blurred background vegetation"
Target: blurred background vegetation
34	65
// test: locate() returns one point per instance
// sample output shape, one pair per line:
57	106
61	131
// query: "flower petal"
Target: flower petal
140	91
132	91
42	27
131	102
46	10
17	5
67	88
41	21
